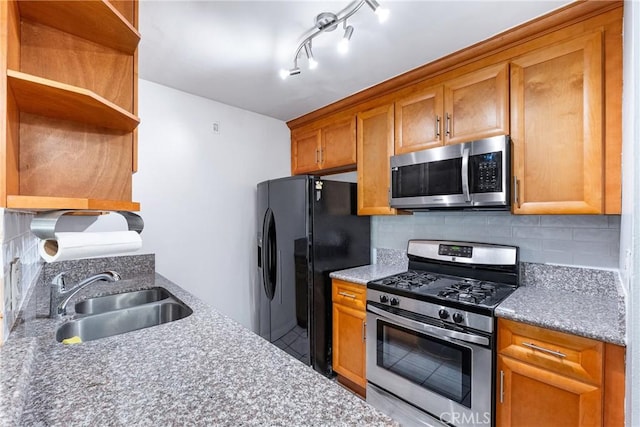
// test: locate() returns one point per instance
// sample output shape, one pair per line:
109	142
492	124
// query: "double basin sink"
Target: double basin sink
115	314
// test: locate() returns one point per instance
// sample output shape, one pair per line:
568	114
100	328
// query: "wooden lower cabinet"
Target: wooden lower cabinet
349	324
535	397
550	378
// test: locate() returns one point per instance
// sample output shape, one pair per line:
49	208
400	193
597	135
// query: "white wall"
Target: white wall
629	228
197	190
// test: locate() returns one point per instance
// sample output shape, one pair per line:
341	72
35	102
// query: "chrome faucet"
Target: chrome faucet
60	295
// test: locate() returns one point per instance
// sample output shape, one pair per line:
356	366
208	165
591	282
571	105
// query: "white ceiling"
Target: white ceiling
231	51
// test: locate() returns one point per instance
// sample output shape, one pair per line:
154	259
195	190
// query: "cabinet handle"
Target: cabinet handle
321	154
448	125
317	154
501	386
544	350
438	127
364	331
516	199
345	294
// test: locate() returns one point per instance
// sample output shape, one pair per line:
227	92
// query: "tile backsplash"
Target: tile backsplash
578	240
20	260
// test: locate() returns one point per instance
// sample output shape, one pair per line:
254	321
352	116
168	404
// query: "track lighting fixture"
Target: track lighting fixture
327	22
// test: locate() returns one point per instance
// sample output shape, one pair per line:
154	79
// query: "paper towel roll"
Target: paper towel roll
76	245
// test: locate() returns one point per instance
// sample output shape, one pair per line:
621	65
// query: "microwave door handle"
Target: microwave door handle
465	174
433	331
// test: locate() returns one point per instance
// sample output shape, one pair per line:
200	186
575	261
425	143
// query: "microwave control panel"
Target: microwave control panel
487	172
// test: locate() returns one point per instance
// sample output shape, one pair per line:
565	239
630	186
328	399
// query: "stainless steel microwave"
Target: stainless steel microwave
472	175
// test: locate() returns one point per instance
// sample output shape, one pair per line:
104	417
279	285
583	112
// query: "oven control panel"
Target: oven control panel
444	313
456	250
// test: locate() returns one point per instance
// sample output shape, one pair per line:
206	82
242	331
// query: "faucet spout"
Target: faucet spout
60	295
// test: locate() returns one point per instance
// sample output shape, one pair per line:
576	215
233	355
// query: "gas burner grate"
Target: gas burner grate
410	280
468	291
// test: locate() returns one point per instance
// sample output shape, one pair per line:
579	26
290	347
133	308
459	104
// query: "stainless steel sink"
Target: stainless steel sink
122	300
116	314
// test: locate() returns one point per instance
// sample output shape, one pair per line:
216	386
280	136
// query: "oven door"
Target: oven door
446	373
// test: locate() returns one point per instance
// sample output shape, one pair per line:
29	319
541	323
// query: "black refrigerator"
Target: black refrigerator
307	228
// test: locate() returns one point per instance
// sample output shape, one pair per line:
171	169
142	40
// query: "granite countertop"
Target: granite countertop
366	273
205	369
584	302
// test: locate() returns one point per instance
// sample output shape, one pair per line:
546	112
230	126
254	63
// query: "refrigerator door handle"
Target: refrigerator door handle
269	252
279	282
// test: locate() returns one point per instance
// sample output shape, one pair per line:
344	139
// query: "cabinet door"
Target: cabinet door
349	343
375	147
476	105
339	144
305	151
556	123
419	121
531	396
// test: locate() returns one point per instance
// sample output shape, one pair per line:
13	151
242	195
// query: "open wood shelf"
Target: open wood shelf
50	203
97	21
58	100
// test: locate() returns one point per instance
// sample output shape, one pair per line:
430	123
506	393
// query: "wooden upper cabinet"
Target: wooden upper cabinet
557	128
326	147
305	151
476	105
418	120
472	106
375	147
338	144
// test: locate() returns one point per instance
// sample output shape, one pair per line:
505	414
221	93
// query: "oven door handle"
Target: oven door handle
431	330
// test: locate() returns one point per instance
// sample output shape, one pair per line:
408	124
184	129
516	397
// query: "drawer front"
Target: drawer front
349	294
569	355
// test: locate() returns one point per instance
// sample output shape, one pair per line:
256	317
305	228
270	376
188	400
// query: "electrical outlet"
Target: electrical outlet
216	127
627	260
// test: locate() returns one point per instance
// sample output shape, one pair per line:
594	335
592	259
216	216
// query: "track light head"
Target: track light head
343	45
381	12
286	73
313	64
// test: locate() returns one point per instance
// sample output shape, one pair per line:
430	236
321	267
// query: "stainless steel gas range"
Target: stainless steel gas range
431	333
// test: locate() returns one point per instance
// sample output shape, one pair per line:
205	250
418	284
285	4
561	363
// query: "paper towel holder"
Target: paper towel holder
43	224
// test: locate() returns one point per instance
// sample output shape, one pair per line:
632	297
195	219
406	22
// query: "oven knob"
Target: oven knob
444	314
384	299
457	317
394	301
